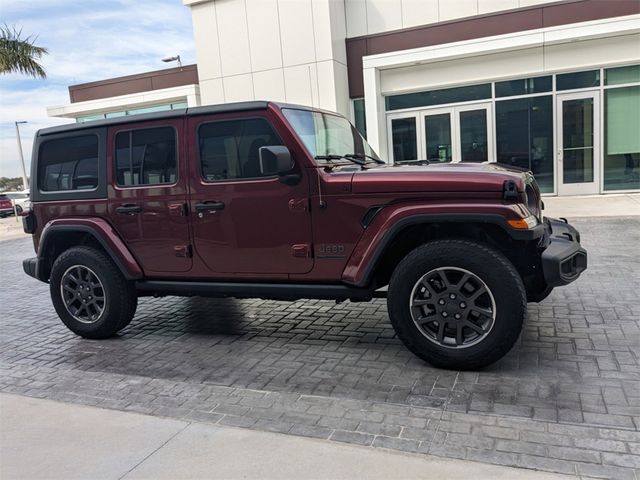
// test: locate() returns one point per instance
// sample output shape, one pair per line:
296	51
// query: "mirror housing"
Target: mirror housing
275	160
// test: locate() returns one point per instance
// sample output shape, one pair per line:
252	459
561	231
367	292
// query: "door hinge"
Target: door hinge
183	251
302	250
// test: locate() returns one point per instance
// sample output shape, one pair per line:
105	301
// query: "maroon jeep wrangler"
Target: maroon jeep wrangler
274	201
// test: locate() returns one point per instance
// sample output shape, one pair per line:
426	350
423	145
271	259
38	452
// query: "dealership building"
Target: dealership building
549	86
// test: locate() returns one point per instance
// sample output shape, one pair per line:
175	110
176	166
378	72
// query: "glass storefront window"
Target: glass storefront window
622	138
403	134
621	75
524	86
438	97
135	111
569	81
359	116
90	118
524	136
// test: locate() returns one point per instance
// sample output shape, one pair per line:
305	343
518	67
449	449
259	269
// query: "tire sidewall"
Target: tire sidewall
492	268
106	325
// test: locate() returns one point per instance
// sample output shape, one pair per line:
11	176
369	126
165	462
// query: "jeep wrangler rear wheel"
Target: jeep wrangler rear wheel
89	293
457	304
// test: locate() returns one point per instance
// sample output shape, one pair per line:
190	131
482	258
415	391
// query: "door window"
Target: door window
146	157
437	129
473	135
68	164
577	140
230	149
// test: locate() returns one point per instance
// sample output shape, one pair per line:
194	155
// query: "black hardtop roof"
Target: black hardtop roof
207	109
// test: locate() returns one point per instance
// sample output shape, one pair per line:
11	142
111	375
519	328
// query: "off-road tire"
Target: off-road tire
493	268
121	300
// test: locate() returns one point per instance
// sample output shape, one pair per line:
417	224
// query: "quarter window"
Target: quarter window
69	163
146	157
230	149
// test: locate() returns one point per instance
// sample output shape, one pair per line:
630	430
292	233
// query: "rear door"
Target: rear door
148	193
255	224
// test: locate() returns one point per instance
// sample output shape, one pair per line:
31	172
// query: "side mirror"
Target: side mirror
275	160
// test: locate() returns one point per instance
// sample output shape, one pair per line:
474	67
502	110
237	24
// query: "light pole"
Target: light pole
175	58
25	181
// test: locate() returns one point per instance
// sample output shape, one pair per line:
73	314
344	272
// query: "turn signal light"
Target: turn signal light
523	223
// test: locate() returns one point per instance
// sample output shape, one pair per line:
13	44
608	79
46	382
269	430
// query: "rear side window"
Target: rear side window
69	163
146	157
229	149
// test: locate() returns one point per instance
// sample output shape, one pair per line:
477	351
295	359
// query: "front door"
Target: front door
243	221
148	194
474	133
578	140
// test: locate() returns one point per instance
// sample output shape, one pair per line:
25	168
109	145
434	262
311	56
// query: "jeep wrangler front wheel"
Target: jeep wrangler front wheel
89	293
457	304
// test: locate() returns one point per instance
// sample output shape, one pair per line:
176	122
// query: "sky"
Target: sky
88	40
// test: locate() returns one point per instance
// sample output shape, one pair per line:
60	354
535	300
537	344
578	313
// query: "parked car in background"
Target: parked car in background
21	200
6	206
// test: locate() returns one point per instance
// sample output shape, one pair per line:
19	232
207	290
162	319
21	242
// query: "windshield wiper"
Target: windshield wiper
363	156
333	157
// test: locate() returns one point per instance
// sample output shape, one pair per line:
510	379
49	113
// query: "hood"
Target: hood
450	177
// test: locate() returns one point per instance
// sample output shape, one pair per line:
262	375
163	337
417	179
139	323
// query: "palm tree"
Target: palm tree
19	54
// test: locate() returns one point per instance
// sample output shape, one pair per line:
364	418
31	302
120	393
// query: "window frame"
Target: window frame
99	192
239	119
145	185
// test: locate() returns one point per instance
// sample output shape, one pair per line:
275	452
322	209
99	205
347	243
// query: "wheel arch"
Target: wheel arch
408	233
59	237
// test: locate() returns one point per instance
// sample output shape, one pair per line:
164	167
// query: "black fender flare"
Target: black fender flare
43	269
490	219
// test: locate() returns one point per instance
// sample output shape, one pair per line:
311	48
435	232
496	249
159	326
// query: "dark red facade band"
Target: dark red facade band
142	82
500	23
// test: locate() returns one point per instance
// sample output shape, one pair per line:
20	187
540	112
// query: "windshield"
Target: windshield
327	135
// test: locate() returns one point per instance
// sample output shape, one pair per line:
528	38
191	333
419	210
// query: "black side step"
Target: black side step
272	291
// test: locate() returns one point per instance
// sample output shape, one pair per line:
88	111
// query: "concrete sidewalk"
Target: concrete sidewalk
47	439
611	205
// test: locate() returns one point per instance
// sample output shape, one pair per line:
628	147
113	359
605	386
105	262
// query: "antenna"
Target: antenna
322	203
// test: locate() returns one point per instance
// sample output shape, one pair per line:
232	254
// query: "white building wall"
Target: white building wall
284	50
294	50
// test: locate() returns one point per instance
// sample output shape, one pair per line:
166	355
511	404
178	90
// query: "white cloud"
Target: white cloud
87	41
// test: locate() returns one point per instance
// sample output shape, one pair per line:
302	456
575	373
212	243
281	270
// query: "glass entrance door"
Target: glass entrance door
475	133
457	134
578	138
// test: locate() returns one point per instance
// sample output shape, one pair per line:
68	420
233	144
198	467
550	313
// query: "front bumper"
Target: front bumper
563	258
